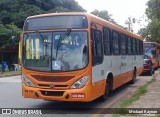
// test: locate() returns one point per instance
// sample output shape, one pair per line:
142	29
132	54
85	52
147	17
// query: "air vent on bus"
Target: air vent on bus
52	78
55	86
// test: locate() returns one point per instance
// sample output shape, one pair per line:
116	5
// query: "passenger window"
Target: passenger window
129	51
107	40
141	47
122	44
138	47
133	46
115	43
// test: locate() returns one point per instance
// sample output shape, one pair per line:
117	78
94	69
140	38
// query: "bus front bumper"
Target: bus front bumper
75	95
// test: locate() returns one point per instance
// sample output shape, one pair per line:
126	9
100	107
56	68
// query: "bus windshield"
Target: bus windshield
40	50
150	51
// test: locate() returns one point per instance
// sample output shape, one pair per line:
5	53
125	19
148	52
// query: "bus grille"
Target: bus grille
52	93
52	78
55	86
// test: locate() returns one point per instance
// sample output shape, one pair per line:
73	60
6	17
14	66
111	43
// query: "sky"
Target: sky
120	9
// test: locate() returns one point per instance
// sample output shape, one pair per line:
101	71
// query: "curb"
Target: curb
9	75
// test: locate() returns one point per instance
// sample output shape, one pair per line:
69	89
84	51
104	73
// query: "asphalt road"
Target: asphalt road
11	97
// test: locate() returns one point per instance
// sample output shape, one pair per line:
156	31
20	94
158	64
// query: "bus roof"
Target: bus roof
54	14
115	27
92	18
151	42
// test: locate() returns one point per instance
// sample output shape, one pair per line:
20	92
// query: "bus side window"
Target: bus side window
122	44
97	53
107	40
115	43
141	47
133	46
137	43
129	45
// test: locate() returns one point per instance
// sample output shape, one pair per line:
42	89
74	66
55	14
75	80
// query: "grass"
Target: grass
136	96
157	115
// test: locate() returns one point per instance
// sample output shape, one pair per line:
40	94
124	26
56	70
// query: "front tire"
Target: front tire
105	96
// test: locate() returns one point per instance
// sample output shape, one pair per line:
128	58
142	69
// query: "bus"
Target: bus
151	56
77	57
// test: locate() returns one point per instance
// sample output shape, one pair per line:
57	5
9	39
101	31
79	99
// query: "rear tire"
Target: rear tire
133	77
151	71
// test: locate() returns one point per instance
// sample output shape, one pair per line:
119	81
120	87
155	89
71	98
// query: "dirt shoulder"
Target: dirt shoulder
150	100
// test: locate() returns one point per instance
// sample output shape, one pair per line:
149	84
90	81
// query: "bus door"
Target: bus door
97	56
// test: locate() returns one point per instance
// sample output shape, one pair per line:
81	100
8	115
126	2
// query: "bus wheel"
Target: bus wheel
104	97
133	77
151	71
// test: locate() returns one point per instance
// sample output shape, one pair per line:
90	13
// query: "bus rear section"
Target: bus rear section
80	60
151	57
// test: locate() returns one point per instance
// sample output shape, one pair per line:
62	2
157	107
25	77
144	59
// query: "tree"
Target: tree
153	29
130	24
7	32
153	10
102	14
106	16
16	11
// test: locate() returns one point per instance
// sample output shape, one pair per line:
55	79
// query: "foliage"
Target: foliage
7	33
129	22
14	12
106	16
102	14
136	96
153	10
152	31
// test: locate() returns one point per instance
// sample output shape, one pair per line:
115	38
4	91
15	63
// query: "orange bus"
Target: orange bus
151	56
77	57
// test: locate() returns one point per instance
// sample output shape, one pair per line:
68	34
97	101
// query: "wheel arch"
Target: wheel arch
109	79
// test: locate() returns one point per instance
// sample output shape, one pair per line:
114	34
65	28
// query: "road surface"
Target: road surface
11	97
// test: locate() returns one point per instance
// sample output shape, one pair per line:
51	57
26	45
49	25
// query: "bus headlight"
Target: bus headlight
80	83
27	81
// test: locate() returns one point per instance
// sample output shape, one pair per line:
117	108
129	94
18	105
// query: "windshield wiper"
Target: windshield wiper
61	39
39	34
148	49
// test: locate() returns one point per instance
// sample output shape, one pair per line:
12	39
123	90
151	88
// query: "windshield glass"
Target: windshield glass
150	51
40	50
